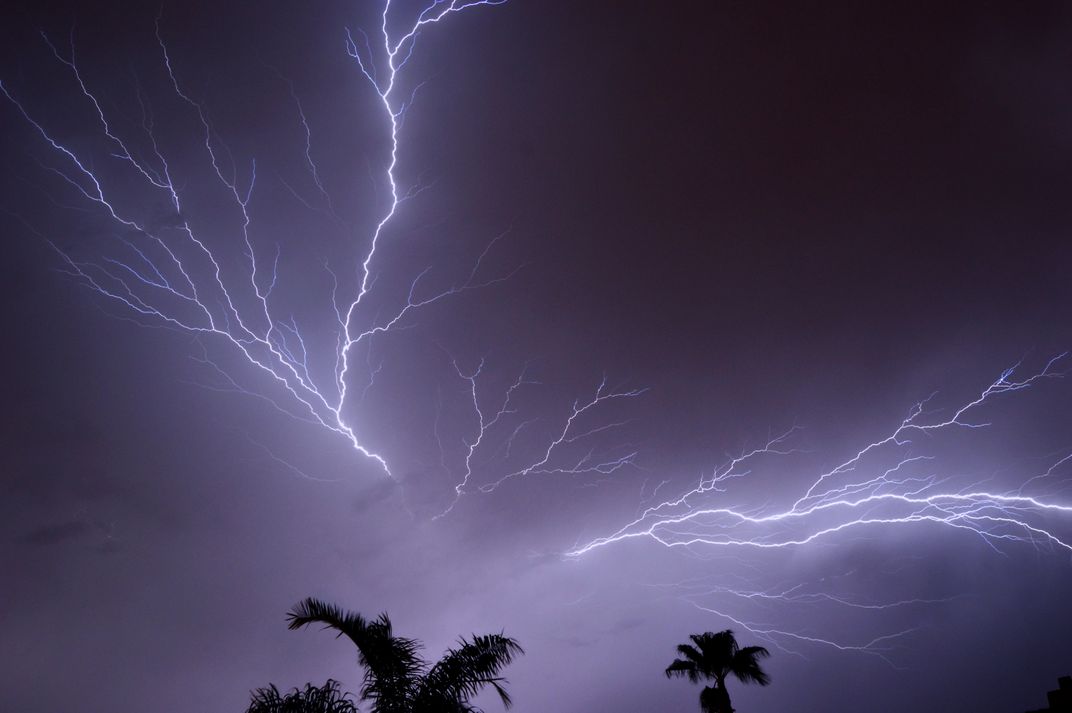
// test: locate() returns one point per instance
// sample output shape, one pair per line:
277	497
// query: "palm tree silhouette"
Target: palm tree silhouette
314	699
397	679
717	657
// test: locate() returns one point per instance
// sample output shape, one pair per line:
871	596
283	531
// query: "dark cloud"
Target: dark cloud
50	535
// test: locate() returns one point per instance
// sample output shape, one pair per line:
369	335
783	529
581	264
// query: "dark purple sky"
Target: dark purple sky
766	216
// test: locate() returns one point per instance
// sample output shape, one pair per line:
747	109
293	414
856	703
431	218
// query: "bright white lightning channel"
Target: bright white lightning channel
829	504
174	276
882	486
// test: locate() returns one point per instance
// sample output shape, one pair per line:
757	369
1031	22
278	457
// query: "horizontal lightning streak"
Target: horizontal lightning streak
974	509
862	492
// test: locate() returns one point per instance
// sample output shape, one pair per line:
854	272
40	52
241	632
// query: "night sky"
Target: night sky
746	217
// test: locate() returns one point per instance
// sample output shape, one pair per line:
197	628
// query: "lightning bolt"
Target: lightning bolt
842	491
174	275
565	434
880	486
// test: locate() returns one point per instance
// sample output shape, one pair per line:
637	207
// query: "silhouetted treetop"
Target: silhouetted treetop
717	656
314	699
397	679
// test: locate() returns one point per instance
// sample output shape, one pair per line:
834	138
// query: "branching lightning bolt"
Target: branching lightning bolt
173	276
882	485
681	523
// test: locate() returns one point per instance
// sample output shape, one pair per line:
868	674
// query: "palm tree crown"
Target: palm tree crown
397	679
716	657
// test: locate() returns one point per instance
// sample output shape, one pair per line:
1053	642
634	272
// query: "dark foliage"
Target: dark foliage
716	657
325	699
397	679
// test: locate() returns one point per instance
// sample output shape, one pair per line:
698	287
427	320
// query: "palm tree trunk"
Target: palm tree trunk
715	699
724	705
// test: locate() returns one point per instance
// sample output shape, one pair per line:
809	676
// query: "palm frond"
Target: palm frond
756	652
690	653
745	665
392	663
313	611
314	699
464	671
265	700
720	646
686	668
